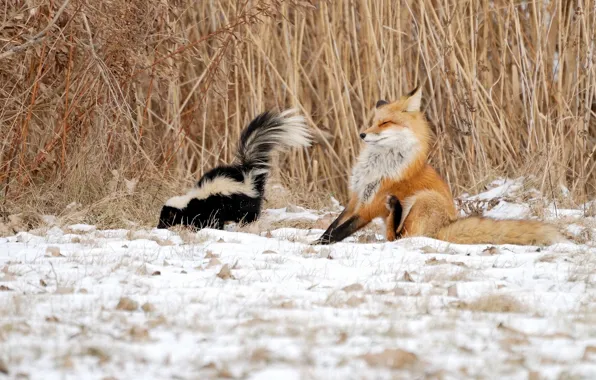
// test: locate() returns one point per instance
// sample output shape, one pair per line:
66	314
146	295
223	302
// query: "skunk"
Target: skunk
235	192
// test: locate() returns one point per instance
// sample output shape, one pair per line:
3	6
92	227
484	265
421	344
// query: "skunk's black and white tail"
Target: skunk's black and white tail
271	131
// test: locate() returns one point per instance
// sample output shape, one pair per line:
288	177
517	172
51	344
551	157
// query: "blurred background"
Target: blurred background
107	108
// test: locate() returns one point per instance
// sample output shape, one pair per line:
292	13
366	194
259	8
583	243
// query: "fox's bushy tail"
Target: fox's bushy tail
271	131
479	230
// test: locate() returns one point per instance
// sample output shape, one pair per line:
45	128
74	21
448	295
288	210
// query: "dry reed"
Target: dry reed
158	91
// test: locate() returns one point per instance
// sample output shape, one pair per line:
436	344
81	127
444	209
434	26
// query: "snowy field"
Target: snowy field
82	303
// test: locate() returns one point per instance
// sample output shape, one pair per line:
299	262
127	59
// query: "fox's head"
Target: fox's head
399	124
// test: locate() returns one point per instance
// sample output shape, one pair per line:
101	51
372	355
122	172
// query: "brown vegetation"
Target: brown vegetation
97	95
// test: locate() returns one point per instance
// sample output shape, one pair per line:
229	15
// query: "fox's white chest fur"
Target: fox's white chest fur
377	162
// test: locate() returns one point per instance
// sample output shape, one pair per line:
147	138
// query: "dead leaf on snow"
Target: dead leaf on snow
407	277
452	291
67	362
534	375
3	367
5	288
209	255
53	252
343	337
213	262
157	321
353	288
434	261
98	353
148	307
52	318
261	354
156	273
225	273
428	249
309	250
225	373
269	252
64	290
139	333
354	301
490	251
42	283
127	304
392	358
588	352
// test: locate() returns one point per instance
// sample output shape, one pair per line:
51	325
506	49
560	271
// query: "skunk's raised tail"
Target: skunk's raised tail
271	131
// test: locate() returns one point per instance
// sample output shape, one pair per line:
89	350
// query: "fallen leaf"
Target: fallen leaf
434	261
127	304
269	252
354	301
428	249
225	273
260	354
213	262
139	333
157	321
3	367
156	273
5	288
309	250
407	277
67	362
64	290
353	288
534	375
53	252
98	353
148	307
210	254
490	251
392	358
52	318
452	291
589	351
42	283
343	337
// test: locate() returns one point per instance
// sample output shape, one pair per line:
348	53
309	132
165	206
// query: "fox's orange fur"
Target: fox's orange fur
393	180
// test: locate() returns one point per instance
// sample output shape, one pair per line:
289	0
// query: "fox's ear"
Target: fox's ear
414	100
381	103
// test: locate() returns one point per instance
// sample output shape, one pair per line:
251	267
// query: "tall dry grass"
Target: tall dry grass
104	94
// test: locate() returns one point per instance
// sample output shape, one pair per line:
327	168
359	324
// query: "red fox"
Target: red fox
392	180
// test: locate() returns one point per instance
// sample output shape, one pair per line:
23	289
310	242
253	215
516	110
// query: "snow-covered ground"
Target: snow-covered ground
81	303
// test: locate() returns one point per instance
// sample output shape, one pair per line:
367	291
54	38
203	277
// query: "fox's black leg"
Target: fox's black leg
394	219
338	234
326	235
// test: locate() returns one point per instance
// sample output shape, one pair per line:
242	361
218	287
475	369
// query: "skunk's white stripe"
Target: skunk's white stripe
219	185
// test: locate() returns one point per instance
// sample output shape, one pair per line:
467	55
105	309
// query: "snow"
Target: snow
414	308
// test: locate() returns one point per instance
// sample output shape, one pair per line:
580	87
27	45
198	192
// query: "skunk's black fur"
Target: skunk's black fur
235	193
